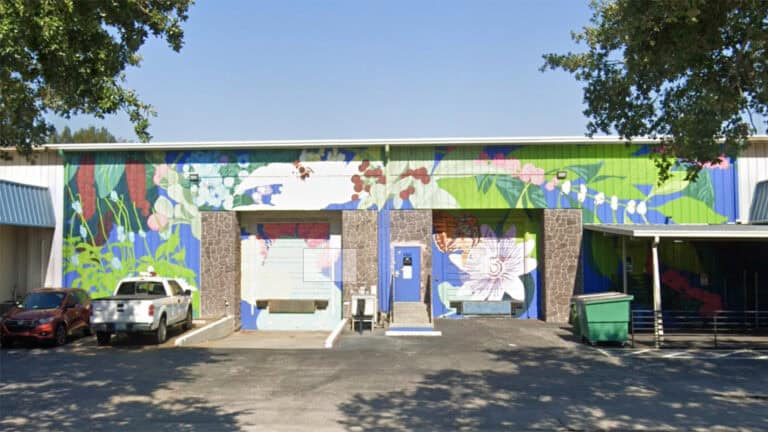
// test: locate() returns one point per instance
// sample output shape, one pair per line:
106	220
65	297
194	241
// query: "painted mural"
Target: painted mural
290	261
484	256
126	212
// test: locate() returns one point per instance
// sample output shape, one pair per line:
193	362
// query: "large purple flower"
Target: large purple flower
494	266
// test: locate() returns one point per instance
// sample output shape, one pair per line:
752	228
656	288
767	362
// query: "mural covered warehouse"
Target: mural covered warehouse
282	234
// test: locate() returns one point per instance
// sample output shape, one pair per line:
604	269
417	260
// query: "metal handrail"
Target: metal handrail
692	322
428	297
391	299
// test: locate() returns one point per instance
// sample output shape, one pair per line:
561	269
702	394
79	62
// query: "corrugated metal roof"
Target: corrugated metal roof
25	205
723	231
758	213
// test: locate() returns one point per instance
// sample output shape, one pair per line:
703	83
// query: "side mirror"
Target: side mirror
187	292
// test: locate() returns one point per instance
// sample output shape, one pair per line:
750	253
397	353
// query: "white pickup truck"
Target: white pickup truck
142	305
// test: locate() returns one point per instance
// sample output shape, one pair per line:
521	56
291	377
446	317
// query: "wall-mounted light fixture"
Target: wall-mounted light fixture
561	175
193	177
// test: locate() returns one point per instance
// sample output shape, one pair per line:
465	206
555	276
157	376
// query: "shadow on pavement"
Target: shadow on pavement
105	390
573	389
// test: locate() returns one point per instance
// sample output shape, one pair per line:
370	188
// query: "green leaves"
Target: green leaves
587	172
511	188
109	168
690	74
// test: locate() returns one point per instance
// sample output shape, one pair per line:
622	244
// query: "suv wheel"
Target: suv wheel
102	338
160	333
60	335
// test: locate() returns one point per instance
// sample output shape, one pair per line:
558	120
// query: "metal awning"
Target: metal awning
26	205
656	233
722	231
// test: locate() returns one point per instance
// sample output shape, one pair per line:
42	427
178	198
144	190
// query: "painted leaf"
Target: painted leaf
536	197
702	189
676	183
70	169
242	200
510	188
688	210
109	170
484	182
587	172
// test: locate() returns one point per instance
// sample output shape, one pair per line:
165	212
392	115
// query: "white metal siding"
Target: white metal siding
752	168
48	171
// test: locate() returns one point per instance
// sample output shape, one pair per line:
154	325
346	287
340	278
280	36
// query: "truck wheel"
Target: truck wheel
188	320
6	342
102	338
160	333
60	335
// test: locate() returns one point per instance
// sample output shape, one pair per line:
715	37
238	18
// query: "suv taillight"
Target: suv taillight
151	310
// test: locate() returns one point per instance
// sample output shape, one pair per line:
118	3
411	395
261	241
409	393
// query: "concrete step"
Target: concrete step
411	314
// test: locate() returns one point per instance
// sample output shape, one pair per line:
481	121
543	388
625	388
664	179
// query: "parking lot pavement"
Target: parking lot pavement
480	375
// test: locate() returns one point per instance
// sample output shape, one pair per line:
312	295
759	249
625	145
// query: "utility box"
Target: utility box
602	317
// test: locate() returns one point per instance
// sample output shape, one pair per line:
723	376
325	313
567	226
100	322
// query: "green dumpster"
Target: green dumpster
602	317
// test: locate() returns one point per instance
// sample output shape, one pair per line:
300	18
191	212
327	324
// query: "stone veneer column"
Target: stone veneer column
220	265
360	253
414	227
561	257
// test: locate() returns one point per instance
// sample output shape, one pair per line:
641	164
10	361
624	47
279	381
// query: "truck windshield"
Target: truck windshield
43	300
139	287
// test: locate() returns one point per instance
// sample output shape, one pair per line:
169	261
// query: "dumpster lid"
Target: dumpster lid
600	297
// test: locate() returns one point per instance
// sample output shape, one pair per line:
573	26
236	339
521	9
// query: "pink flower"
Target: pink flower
724	163
532	174
157	221
550	186
160	172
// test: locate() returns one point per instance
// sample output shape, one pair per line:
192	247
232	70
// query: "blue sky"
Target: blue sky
254	70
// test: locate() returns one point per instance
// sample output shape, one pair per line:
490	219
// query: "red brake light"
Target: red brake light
151	310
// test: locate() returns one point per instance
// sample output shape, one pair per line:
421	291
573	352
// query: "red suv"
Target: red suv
49	315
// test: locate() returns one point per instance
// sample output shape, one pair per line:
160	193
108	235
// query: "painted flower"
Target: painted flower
243	161
165	235
724	163
614	203
83	232
493	268
116	264
113	196
531	174
229	182
142	234
132	236
642	209
631	206
161	171
75	261
582	195
550	186
120	234
566	187
77	207
157	221
599	199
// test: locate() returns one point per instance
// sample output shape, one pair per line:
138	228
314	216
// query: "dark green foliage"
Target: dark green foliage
693	73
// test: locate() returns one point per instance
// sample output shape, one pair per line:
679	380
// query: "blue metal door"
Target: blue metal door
407	273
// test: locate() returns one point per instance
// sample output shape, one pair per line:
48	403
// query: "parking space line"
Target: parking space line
633	353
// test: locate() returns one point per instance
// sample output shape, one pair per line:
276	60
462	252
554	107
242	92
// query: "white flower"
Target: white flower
116	264
228	202
113	196
599	199
75	261
614	203
77	207
83	232
165	235
582	195
566	187
229	182
256	197
631	206
142	234
493	267
243	173
132	236
193	189
642	209
120	234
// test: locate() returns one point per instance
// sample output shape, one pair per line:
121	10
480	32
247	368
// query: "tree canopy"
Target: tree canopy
692	73
68	57
87	135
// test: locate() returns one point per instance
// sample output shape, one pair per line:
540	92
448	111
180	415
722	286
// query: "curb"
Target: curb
335	334
216	330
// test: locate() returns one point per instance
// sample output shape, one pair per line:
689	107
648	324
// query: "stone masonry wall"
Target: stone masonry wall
561	256
414	227
360	253
220	265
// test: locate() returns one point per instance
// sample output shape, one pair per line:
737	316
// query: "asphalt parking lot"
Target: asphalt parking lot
480	375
